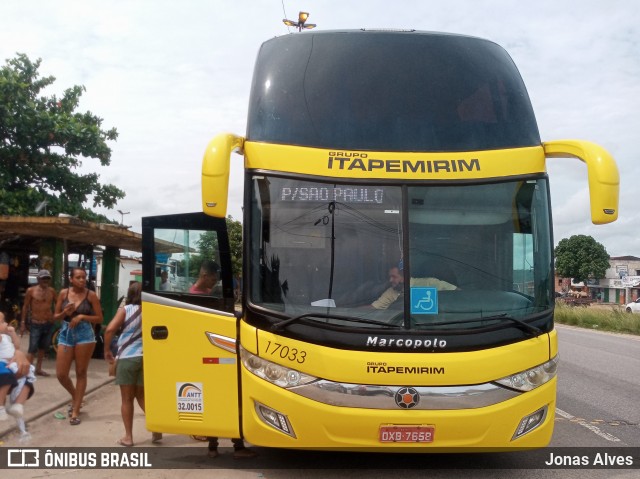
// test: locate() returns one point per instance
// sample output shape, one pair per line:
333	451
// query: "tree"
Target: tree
208	247
42	143
234	229
581	257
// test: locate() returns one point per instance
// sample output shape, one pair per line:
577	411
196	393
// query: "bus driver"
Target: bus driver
396	290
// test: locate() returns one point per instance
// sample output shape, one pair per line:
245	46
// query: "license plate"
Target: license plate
406	433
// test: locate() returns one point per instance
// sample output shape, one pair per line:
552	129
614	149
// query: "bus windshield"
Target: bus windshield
389	91
467	252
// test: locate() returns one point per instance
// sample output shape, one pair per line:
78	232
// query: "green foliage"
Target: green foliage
43	141
208	246
605	318
235	243
581	257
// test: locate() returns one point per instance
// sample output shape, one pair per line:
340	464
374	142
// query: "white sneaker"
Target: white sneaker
16	410
3	414
24	437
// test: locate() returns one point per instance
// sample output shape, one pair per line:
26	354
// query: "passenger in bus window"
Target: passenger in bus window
207	278
164	282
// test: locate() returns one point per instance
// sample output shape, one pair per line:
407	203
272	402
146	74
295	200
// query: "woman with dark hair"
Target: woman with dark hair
80	310
128	321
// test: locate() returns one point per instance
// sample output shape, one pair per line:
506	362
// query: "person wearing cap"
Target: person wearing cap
39	303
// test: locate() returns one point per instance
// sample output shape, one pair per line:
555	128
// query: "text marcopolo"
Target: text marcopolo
408	343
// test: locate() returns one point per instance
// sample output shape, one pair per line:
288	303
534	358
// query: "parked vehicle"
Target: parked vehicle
633	307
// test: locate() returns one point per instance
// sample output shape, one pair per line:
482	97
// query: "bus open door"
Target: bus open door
187	287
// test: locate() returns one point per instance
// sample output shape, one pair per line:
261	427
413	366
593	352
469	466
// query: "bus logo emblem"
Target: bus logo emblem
407	398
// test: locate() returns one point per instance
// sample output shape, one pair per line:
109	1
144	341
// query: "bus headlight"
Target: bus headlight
531	378
274	373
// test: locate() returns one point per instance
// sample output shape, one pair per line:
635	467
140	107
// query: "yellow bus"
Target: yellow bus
398	279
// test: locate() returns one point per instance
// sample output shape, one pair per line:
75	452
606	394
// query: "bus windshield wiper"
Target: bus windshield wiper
280	325
528	327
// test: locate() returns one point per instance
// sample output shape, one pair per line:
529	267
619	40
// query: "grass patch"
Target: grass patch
612	319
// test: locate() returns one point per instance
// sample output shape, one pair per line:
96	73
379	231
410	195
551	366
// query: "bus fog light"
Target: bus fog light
530	422
275	419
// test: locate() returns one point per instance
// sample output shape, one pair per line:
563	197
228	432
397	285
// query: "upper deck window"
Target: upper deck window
389	91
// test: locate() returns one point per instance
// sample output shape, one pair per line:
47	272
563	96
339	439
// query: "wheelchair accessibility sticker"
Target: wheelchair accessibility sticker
424	300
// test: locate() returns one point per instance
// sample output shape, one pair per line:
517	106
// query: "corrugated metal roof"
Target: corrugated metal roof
74	230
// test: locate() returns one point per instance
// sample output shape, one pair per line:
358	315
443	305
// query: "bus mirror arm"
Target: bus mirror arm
215	173
604	178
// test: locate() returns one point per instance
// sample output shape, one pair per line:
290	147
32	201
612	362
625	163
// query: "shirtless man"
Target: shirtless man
39	302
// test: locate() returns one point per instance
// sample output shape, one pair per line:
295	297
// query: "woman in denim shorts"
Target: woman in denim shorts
80	309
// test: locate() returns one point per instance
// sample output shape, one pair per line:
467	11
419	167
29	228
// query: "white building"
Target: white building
621	284
129	268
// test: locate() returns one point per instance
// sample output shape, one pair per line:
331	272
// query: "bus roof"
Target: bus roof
389	91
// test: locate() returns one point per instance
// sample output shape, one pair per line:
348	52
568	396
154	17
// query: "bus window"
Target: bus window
188	263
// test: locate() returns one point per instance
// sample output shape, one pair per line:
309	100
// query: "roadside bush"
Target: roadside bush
613	319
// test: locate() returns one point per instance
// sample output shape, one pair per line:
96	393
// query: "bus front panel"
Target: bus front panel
395	405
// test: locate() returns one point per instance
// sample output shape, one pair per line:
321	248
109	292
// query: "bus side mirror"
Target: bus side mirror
215	173
604	179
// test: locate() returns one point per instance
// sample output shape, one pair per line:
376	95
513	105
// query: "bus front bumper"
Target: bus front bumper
276	417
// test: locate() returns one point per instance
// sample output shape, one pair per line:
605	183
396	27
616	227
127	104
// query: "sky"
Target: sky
171	75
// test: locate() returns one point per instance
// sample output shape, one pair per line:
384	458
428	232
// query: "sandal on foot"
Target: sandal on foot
74	421
70	409
156	437
122	443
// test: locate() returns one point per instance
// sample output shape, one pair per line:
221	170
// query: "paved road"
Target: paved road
598	389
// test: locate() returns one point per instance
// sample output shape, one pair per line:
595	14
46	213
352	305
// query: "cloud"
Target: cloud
169	76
